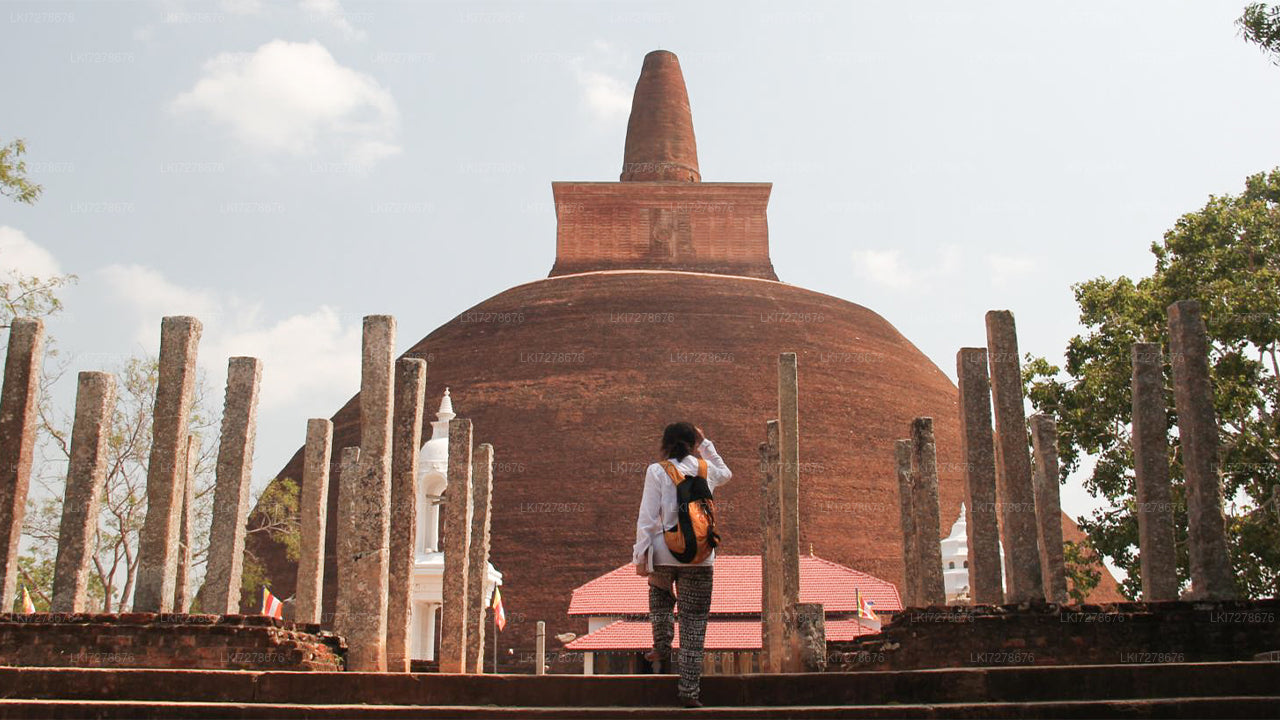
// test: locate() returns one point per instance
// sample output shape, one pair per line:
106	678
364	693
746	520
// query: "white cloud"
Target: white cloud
331	13
20	256
302	355
154	297
1005	268
883	267
888	269
241	7
295	99
605	96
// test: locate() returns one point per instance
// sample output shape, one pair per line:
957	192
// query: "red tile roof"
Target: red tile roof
737	589
627	635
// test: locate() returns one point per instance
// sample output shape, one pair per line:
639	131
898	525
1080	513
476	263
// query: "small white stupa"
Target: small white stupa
955	561
428	568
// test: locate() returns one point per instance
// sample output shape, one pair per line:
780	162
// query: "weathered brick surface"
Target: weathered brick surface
154	640
646	339
1049	634
705	227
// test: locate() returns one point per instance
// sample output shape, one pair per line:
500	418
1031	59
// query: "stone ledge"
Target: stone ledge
163	640
1050	634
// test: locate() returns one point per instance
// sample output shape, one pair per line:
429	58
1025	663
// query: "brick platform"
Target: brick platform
150	640
1046	634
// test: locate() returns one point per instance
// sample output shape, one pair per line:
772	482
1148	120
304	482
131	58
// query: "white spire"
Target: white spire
445	413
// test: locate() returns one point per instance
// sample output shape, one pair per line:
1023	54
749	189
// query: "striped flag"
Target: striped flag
865	614
28	607
271	605
499	613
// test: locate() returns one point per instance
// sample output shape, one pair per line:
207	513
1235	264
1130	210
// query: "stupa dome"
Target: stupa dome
662	306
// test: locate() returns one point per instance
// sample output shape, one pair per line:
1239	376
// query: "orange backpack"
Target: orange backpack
694	536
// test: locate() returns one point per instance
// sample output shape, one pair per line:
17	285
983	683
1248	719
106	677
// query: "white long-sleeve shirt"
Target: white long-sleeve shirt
658	506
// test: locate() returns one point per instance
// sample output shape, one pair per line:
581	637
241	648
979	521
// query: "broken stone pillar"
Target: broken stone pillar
978	449
1053	570
540	649
1019	528
86	474
369	531
183	590
313	505
771	635
789	474
1152	491
1211	574
231	487
351	619
158	540
910	556
457	549
18	417
810	635
924	504
478	553
411	382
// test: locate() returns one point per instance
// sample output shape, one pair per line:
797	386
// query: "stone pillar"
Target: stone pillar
1013	462
789	474
540	650
175	390
924	504
1211	574
313	505
411	380
457	549
183	590
86	473
231	487
478	553
978	449
18	417
369	534
350	619
1053	570
771	635
810	635
910	556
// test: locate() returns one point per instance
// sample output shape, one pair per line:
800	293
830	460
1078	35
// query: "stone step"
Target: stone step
953	685
1218	707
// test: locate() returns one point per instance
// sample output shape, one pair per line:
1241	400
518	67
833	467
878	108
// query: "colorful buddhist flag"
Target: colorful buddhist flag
866	615
271	605
499	613
28	607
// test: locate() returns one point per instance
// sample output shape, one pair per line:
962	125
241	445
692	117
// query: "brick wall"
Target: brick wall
705	227
1044	634
150	640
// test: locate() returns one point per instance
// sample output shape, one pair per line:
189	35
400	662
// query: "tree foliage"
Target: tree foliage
1260	25
13	174
114	564
1227	256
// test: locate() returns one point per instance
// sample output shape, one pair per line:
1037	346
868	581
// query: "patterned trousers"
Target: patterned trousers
693	588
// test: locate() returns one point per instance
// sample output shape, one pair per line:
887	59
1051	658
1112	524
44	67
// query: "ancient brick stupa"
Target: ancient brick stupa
663	305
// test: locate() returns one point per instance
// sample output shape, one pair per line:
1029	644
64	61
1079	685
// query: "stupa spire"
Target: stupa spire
660	143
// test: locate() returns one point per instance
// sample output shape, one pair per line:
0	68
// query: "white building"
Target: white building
428	567
955	561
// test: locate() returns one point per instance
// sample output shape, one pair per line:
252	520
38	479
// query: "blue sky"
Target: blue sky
282	169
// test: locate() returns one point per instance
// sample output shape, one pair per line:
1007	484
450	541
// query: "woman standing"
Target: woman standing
686	452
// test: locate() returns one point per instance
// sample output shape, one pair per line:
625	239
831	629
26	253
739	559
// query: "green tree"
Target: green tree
1260	25
276	515
13	174
1227	256
114	564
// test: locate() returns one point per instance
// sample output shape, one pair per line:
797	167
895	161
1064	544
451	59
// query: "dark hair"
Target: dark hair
678	439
